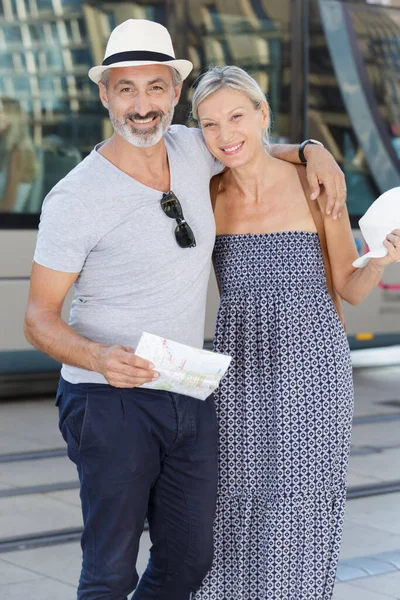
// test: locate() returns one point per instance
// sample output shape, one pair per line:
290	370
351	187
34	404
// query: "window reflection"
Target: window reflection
378	40
19	165
252	35
47	47
353	105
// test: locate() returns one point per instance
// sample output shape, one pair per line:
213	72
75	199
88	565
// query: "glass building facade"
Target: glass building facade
330	70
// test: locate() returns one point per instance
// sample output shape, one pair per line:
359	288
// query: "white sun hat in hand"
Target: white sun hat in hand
380	219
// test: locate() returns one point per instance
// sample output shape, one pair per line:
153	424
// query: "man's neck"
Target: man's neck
142	164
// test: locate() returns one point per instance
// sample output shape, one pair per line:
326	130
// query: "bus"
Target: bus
330	69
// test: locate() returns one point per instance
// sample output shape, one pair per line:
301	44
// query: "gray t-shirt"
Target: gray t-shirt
133	276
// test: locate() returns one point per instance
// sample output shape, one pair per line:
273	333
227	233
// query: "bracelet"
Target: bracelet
302	158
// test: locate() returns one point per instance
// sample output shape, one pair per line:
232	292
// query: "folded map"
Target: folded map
183	369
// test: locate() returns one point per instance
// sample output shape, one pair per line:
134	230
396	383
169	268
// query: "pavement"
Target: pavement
369	567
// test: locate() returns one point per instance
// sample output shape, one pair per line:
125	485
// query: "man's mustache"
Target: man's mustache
149	115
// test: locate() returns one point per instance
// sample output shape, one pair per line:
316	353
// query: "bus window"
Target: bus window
354	103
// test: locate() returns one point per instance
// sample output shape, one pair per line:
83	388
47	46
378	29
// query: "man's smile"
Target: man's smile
143	122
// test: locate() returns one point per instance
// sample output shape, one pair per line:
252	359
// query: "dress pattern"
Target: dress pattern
284	411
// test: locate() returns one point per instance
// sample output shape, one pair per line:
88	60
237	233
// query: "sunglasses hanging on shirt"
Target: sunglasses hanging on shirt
172	208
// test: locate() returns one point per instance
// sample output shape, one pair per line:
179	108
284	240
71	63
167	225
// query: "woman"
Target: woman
19	167
285	407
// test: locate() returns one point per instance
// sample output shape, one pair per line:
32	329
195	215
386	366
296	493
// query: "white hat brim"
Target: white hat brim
362	261
184	67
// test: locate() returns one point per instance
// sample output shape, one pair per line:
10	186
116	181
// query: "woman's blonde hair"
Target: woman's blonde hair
234	78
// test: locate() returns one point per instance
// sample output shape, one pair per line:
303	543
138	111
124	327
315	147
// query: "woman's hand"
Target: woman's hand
392	243
323	170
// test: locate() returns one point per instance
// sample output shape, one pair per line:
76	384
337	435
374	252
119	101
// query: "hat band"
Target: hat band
136	55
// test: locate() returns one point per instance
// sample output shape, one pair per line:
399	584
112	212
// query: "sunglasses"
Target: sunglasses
172	208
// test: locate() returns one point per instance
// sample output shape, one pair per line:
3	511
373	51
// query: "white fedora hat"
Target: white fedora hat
380	219
138	42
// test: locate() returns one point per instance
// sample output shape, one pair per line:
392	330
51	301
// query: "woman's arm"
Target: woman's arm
354	285
322	170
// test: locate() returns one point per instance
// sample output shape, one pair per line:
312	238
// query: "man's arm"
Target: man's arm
322	170
45	329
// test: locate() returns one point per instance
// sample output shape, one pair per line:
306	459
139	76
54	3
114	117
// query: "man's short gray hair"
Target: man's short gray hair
105	76
176	77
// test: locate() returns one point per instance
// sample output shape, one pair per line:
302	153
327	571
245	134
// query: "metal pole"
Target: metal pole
178	26
296	66
306	65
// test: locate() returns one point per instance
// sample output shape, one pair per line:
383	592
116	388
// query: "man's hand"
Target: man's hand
323	170
122	368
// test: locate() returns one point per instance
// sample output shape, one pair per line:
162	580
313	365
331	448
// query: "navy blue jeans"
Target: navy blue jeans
141	453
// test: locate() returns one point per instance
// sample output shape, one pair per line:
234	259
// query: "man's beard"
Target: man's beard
142	138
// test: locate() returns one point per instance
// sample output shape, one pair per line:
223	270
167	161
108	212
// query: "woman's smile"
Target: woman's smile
232	149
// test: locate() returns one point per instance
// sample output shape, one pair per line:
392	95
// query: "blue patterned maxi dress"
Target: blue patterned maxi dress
285	410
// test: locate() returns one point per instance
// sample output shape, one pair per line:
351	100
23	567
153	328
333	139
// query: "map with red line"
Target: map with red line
183	369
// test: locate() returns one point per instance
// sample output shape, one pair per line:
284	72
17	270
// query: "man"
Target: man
140	260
